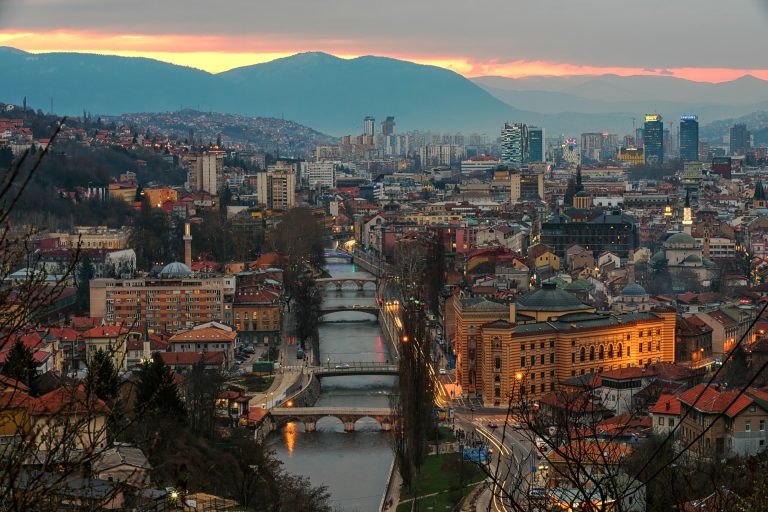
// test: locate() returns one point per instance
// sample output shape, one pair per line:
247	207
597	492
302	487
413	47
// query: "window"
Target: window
541	359
573	373
533	360
542	387
522	347
522	362
640	334
591	353
497	393
533	388
601	352
640	347
551	343
748	426
551	386
497	363
610	350
762	425
552	358
671	422
573	357
542	345
620	347
581	354
661	420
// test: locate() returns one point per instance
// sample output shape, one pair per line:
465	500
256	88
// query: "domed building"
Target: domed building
527	348
175	270
684	253
632	298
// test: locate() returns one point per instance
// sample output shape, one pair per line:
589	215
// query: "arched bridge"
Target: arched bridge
371	309
309	416
339	282
338	254
337	369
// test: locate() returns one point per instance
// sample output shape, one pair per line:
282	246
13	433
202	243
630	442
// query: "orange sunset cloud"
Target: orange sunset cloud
215	53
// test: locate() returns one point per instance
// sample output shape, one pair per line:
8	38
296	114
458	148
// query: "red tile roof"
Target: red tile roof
105	331
204	334
192	358
667	404
714	400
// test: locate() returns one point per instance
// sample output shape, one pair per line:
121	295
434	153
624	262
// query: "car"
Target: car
343	366
517	426
537	493
443	371
492	424
249	350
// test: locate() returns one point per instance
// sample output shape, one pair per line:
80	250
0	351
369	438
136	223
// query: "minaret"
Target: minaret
187	245
687	215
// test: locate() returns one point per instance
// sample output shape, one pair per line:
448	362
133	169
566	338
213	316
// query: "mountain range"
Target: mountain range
332	95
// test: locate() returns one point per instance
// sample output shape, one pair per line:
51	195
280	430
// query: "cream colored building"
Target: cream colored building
94	237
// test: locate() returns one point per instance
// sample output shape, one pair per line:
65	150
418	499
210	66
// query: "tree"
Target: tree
102	379
202	391
414	400
85	272
157	391
20	363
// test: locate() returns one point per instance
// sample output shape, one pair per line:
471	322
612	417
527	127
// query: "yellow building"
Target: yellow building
94	237
121	193
547	337
158	196
547	258
633	156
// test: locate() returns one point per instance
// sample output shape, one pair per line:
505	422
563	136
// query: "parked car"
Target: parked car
342	366
443	371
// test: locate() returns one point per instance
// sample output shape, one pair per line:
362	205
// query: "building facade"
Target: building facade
689	138
653	139
514	144
170	302
547	337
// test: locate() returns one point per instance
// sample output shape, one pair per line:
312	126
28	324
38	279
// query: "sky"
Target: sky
704	40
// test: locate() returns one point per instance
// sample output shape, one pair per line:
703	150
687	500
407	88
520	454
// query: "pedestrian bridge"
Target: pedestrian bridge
339	369
371	309
309	416
340	282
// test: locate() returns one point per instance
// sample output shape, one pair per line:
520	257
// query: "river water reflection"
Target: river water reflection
354	465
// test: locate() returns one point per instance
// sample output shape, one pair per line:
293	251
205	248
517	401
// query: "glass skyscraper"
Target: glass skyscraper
514	144
536	144
653	139
689	138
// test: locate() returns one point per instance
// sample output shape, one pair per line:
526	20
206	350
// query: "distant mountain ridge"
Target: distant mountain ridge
333	95
637	95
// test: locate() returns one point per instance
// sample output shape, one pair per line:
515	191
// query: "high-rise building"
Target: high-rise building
740	142
514	144
653	139
369	126
536	145
205	171
321	173
388	126
276	188
689	138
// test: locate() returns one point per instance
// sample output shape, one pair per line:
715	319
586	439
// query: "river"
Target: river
354	466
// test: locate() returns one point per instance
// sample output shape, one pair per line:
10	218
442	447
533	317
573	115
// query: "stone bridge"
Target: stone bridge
339	282
309	416
338	255
371	309
339	369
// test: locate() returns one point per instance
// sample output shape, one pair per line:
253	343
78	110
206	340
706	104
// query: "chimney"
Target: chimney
187	245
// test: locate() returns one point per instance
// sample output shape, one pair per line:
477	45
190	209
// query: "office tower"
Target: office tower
205	171
388	126
536	144
739	139
653	139
639	137
514	144
369	126
689	138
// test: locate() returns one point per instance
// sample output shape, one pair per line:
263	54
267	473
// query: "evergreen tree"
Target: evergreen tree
20	363
102	379
157	392
85	272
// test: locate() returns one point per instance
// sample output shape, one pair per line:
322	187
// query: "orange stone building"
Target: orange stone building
526	349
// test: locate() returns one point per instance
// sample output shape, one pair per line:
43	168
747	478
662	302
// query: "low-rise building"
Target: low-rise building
204	338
